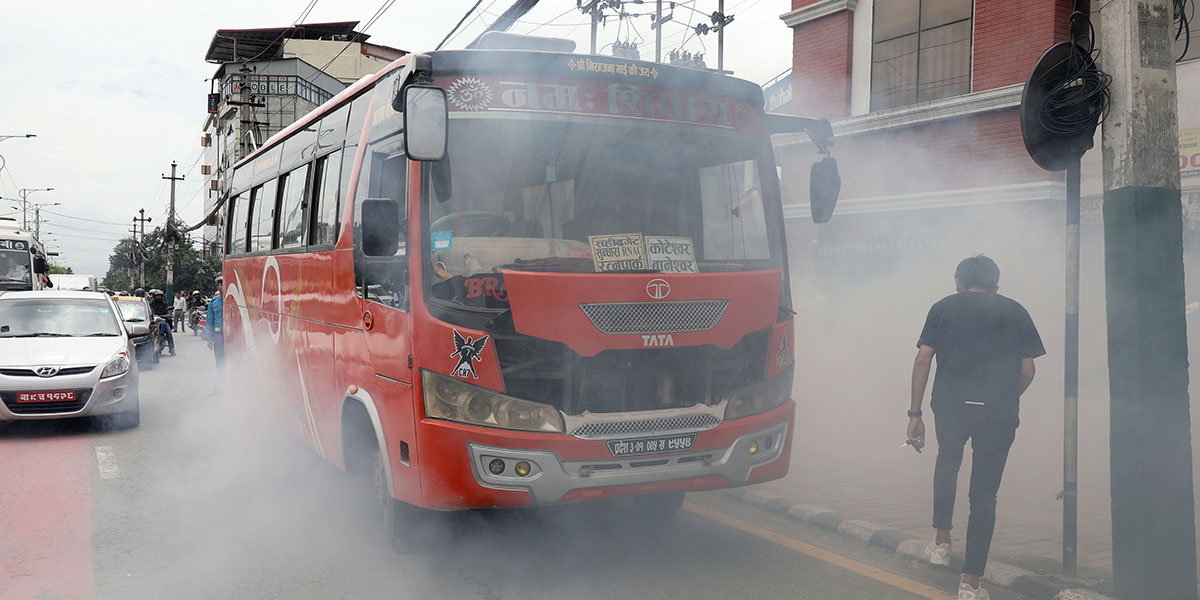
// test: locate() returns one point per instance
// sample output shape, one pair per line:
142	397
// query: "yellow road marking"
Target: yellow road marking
849	564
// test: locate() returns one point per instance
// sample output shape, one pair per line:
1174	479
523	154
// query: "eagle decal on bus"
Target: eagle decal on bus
468	352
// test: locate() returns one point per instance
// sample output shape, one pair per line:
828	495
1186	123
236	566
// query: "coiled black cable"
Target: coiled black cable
1184	11
1079	101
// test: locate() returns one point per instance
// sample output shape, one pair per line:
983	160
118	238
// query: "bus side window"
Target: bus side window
234	242
381	244
323	207
291	209
241	222
262	216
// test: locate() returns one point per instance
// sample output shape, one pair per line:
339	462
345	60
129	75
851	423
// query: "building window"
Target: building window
921	51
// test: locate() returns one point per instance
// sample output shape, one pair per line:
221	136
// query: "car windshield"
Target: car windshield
590	197
133	312
57	317
14	268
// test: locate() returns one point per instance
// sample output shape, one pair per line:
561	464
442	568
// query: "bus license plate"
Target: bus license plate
654	445
67	396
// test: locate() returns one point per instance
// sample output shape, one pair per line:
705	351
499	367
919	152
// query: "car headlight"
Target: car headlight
759	397
453	400
117	365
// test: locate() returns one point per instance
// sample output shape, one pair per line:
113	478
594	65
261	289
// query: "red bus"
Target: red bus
512	278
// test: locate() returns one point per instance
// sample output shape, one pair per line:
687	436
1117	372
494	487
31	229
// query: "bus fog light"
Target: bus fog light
754	447
496	466
522	468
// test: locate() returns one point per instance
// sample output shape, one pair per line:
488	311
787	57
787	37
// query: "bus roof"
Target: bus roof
541	64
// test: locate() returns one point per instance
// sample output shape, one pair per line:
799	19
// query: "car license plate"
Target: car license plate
654	445
67	396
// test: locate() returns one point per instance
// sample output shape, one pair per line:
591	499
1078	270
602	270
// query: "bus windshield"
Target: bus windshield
527	194
14	269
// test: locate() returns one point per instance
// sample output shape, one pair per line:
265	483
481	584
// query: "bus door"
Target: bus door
381	278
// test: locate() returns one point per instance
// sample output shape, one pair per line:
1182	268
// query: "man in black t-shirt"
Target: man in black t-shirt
985	344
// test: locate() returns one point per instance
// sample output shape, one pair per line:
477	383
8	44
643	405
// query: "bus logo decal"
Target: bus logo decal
469	93
658	289
468	352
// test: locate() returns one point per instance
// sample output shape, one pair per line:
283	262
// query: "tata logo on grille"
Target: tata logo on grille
658	289
46	371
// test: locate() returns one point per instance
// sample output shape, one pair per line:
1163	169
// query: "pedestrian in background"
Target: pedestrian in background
213	329
180	311
985	344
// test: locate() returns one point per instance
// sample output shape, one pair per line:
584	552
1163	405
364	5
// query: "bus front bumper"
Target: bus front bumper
551	479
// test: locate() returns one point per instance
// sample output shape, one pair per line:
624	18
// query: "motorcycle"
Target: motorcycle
196	319
163	326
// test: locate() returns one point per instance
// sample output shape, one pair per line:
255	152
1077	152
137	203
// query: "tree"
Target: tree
53	269
192	271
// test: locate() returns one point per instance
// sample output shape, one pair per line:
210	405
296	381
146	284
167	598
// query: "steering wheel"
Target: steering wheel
499	221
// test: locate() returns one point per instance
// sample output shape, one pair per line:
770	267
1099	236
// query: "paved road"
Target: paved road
208	500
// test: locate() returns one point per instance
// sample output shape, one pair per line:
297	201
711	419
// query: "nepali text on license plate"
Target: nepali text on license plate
67	396
654	445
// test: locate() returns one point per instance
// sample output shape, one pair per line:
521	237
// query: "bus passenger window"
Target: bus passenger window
262	216
291	209
323	208
235	227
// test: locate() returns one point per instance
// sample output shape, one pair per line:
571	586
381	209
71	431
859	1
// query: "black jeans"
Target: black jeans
990	441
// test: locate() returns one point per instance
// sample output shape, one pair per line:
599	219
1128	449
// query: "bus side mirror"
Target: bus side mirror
381	227
39	264
425	116
824	185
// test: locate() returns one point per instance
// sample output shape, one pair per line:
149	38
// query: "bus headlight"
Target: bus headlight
117	365
759	397
454	400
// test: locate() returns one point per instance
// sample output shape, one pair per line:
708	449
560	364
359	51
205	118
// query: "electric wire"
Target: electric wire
58	214
1079	101
1184	12
459	24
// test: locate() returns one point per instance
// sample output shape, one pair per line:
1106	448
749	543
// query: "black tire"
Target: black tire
655	508
393	517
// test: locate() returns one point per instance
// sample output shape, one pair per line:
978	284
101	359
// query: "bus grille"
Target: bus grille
604	429
624	318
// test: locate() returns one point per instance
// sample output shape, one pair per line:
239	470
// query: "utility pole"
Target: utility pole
721	36
1153	525
133	257
657	30
141	260
24	193
171	234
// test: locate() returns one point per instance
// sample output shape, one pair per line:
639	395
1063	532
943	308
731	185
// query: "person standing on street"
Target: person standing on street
216	339
985	344
180	310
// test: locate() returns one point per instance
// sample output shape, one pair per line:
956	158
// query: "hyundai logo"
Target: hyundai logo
658	289
46	371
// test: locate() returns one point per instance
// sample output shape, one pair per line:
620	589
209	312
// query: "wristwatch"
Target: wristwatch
914	413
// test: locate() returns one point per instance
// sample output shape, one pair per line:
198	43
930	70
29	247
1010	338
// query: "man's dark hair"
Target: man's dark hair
978	272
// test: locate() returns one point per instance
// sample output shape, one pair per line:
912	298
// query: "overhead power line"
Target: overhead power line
460	22
47	211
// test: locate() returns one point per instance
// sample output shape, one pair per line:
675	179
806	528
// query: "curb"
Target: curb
884	536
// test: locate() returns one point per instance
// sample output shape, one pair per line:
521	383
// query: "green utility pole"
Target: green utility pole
1154	530
170	291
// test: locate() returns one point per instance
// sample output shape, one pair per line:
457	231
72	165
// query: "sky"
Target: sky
115	91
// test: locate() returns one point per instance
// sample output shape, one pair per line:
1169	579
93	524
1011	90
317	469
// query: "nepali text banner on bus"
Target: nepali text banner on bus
623	95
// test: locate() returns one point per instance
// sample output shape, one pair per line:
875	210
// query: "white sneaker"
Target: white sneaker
966	592
939	554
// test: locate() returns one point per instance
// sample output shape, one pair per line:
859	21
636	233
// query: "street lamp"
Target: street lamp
4	162
24	193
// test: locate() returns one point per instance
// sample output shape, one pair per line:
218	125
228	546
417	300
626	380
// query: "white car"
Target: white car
66	354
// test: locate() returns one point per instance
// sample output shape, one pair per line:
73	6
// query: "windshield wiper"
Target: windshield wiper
100	334
135	320
40	334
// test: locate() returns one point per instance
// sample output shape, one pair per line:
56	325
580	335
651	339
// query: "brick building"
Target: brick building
924	97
